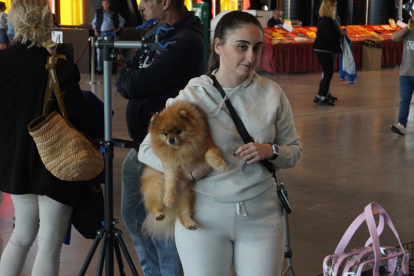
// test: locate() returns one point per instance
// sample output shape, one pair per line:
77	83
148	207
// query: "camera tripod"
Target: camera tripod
110	236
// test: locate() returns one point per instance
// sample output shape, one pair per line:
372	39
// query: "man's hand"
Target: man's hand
96	33
343	31
254	152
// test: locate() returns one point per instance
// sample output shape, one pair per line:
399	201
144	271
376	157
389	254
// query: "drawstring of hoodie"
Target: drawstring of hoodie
218	107
241	209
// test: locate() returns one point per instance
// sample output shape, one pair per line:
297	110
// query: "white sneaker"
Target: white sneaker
399	129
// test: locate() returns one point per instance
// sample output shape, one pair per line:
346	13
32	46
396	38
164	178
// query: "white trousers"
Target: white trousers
249	234
36	216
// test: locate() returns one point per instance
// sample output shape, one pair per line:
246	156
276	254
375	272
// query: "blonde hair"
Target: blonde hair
328	9
32	21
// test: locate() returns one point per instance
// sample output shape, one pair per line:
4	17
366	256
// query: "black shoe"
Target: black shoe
316	100
332	98
99	73
326	101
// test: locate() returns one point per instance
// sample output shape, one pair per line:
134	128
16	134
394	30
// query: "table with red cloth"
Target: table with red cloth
288	55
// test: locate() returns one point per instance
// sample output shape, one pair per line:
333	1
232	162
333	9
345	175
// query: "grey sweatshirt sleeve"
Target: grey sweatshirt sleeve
286	137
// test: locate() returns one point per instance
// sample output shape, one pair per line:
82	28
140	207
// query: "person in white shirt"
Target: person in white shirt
238	211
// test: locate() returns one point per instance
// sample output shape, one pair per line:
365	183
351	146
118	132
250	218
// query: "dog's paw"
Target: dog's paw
219	165
160	216
191	225
169	201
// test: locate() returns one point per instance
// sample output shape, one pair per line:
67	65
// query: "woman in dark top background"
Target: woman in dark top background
43	204
326	45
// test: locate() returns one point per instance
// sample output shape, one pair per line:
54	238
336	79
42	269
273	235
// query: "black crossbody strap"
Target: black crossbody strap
240	126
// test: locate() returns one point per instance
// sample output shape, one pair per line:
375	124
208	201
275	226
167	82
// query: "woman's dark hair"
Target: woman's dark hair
2	5
228	24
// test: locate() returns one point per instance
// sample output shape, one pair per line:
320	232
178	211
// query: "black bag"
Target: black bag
281	193
87	217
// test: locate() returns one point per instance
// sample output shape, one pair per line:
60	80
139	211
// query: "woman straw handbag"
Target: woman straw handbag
66	153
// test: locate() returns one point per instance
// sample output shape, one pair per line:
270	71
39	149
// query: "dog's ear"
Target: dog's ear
184	114
154	119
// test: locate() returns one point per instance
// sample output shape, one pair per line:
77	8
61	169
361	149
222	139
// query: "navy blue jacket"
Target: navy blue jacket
99	19
149	80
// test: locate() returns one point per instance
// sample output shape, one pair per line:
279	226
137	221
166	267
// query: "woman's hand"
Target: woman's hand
343	31
254	152
198	173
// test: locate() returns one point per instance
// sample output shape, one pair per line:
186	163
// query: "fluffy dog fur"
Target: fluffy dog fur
181	139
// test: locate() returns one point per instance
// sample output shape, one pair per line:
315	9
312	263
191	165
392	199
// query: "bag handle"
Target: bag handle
247	138
368	216
370	210
53	86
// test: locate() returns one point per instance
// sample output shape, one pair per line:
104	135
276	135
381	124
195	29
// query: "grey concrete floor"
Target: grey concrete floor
350	158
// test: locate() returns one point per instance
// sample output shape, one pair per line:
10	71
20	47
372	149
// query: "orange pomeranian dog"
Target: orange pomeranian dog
181	139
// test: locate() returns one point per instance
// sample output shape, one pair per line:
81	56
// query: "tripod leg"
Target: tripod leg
102	255
126	253
90	255
119	258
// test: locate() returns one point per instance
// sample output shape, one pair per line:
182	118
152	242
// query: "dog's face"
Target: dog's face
173	129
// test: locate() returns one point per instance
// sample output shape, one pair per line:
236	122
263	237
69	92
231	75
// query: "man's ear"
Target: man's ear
166	4
217	46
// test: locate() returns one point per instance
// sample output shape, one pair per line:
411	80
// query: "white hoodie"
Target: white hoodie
264	110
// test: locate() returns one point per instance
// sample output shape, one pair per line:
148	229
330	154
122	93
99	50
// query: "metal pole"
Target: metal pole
366	12
288	251
400	12
289	10
93	53
107	63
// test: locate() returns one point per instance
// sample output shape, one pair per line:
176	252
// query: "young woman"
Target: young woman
238	211
326	45
43	204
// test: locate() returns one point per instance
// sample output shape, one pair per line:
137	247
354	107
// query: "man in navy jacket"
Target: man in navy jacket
147	81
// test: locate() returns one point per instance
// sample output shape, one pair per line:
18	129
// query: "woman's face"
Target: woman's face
241	52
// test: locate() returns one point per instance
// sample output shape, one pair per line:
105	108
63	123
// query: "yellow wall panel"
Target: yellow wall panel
71	12
228	5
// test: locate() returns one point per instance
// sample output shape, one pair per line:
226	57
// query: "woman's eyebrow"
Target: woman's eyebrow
247	42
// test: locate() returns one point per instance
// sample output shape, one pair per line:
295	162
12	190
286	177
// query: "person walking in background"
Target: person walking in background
4	40
43	204
105	20
343	32
326	45
238	211
406	35
10	29
275	19
147	81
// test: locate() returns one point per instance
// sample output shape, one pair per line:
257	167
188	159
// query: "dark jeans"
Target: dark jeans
327	63
406	93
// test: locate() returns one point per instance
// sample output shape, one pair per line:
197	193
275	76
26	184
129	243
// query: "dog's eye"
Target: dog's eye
178	131
165	133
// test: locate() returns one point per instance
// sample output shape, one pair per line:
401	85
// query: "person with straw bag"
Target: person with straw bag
43	203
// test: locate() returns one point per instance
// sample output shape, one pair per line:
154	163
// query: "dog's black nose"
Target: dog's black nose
171	141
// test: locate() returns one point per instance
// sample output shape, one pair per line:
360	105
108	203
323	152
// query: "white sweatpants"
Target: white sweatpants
41	216
249	234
